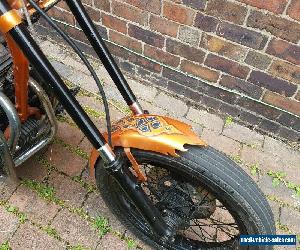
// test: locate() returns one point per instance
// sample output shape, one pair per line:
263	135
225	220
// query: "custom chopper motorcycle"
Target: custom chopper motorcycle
163	182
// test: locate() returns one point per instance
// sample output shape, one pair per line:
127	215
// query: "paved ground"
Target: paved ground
56	206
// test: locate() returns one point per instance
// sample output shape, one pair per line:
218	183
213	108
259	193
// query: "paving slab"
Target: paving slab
220	142
51	49
29	237
8	224
66	189
36	209
85	145
69	134
142	91
170	103
153	109
95	206
75	230
7	188
208	120
243	134
281	192
65	161
290	218
289	155
110	241
32	169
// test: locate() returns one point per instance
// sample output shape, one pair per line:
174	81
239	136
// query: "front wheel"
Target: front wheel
203	194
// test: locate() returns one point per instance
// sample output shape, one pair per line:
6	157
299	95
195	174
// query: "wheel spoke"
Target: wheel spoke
206	230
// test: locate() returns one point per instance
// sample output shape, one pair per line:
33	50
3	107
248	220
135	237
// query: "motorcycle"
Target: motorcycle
161	180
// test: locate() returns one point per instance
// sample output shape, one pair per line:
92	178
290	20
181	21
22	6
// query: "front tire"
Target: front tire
210	176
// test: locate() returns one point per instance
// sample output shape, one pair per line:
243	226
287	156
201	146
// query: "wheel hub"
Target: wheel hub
180	201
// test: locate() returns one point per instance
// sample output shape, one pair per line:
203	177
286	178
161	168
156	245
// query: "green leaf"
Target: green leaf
276	182
253	171
228	121
281	174
291	185
102	225
131	243
4	246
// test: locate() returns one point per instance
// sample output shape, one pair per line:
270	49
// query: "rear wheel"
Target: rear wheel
203	194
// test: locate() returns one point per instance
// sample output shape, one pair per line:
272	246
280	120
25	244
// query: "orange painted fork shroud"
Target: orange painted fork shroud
8	21
152	133
21	77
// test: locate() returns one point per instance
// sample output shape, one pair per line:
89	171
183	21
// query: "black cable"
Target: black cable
85	61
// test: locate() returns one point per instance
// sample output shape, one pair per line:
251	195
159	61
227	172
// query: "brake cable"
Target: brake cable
72	44
27	15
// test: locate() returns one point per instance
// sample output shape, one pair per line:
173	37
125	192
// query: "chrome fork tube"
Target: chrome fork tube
14	121
9	165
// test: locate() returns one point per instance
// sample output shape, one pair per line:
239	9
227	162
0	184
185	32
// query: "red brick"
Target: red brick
227	66
282	102
114	23
227	11
153	6
74	32
146	36
276	6
241	35
184	50
102	5
284	50
195	4
206	23
258	60
178	13
200	71
87	2
279	27
223	47
285	70
294	10
62	15
274	84
125	41
241	86
93	13
258	108
129	12
135	58
161	56
63	5
163	26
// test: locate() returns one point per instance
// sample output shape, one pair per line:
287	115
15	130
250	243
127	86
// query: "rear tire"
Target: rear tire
205	167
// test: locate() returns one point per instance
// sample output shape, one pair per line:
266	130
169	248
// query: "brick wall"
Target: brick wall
239	57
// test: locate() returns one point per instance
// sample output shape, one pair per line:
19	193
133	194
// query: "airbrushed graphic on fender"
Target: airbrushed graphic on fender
152	133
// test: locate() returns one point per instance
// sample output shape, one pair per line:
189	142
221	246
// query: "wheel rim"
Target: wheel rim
199	233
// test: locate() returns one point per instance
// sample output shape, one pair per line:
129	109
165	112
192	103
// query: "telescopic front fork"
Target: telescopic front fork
114	164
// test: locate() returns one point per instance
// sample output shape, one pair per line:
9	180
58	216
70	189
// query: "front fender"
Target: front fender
152	133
